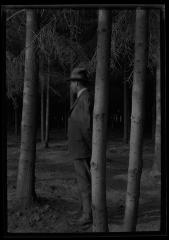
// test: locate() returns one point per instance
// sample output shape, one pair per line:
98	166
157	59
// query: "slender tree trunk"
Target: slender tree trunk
153	114
71	98
16	121
137	115
42	82
66	115
71	65
98	162
157	157
26	166
42	109
47	107
126	110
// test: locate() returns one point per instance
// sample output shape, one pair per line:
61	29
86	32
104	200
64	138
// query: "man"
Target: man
80	139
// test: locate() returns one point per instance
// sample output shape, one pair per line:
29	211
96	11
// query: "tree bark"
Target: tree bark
42	109
71	64
153	113
126	110
156	169
26	167
137	115
98	162
47	107
66	115
16	121
157	153
157	157
42	98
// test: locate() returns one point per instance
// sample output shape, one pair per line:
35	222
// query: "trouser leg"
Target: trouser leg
82	168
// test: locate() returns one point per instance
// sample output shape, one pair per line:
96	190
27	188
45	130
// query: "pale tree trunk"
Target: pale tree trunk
163	103
126	110
26	166
157	154
42	98
157	157
98	162
137	115
47	107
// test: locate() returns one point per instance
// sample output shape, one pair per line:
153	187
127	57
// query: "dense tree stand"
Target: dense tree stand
124	64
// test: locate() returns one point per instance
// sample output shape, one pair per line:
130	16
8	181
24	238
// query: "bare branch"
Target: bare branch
16	13
55	92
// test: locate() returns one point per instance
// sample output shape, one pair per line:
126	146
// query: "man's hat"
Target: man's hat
78	74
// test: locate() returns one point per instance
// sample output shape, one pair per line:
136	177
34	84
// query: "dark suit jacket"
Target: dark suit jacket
80	127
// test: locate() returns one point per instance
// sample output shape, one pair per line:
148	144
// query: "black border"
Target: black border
163	232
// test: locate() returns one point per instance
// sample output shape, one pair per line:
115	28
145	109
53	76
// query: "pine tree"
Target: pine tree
137	115
98	162
26	166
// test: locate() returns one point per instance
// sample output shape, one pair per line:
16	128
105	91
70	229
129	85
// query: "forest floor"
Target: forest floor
56	188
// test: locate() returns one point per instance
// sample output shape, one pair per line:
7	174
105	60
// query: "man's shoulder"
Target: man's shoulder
86	97
85	94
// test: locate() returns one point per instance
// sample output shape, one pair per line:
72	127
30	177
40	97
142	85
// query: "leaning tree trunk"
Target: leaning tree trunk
47	107
136	136
157	154
126	110
26	167
98	162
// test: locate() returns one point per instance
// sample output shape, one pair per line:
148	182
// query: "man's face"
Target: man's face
73	85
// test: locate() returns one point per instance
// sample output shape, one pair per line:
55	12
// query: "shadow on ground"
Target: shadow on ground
56	187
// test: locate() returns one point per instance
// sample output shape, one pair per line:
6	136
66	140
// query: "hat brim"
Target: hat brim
75	80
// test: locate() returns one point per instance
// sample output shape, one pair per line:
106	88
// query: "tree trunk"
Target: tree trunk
98	162
66	115
47	107
153	114
71	98
42	97
137	115
26	167
71	64
16	121
42	109
157	157
126	110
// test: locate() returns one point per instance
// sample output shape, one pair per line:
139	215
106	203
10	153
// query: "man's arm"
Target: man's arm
87	122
